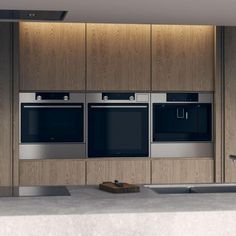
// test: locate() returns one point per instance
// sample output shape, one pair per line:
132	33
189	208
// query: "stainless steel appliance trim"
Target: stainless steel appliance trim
184	149
94	106
97	98
66	106
52	151
162	98
30	98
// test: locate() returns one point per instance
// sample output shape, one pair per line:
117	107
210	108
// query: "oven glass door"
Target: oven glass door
118	130
52	122
182	122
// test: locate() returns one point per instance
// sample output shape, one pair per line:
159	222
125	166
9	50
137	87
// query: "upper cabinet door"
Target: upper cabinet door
118	57
182	58
52	56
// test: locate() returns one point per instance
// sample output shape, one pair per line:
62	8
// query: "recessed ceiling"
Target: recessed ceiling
213	12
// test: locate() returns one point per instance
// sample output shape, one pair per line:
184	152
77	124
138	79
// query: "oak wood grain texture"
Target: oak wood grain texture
182	58
118	57
182	170
218	108
230	103
52	172
16	104
134	171
52	56
5	105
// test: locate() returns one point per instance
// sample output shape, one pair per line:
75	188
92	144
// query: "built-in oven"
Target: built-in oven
52	125
181	125
118	124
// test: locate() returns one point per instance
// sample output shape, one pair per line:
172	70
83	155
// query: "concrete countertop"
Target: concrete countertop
91	200
89	211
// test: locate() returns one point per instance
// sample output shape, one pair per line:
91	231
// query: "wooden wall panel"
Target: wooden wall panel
118	57
52	172
230	103
52	56
182	58
218	107
5	105
128	170
182	170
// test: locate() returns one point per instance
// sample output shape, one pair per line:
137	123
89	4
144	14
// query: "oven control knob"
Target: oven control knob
105	98
39	97
131	98
66	98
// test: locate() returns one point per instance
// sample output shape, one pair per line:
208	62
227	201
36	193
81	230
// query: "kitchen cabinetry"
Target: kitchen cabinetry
5	108
52	172
230	103
182	58
127	170
182	170
118	57
52	56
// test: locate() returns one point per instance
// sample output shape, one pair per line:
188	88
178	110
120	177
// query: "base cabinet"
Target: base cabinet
181	171
136	171
132	171
52	172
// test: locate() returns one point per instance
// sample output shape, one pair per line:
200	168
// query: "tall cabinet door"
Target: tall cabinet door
182	58
118	57
230	104
52	56
5	109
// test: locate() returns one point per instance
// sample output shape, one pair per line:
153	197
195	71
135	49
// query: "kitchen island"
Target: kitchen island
89	211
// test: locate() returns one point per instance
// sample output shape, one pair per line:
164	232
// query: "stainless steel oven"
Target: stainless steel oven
52	125
118	124
181	125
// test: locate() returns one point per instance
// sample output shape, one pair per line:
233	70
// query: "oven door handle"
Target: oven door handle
118	106
67	106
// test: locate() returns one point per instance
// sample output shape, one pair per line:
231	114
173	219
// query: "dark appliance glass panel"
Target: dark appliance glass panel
182	122
118	130
52	122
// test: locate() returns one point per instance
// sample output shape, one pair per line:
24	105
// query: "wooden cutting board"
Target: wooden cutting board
113	188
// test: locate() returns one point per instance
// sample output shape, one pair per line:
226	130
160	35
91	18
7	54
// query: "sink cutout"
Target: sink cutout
193	189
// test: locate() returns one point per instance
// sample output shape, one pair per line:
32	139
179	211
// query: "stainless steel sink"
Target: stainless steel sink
190	189
171	190
38	191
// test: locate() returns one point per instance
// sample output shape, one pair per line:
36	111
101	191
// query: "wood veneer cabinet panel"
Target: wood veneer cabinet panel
5	105
182	58
52	56
176	171
52	172
131	171
230	103
118	57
